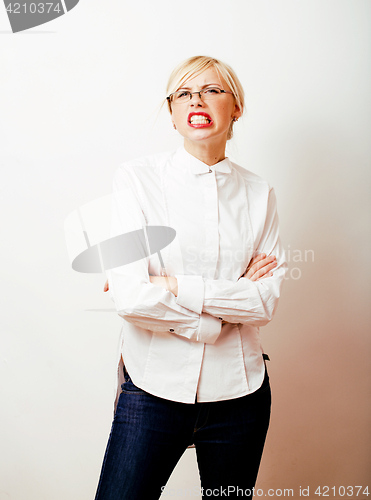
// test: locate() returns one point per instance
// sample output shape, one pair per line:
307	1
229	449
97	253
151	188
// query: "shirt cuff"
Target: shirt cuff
209	329
191	290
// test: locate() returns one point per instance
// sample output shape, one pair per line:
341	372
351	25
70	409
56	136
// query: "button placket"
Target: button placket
211	223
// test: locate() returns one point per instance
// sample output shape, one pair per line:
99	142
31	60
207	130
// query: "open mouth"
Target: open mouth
199	119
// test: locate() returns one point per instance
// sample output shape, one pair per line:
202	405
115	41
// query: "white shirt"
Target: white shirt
223	215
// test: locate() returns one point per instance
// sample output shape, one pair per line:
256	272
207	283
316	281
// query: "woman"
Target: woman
193	367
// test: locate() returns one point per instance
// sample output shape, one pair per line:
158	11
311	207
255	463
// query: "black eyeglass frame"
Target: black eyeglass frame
222	91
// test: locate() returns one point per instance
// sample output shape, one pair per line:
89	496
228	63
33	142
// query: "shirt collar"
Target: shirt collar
197	166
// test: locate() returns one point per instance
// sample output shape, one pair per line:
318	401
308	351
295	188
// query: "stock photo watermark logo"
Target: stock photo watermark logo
102	253
93	249
297	257
25	15
296	260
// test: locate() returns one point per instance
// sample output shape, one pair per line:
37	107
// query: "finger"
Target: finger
261	270
259	265
253	261
265	276
264	271
256	259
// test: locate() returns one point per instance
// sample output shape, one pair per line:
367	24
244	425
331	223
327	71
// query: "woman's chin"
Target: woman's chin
200	134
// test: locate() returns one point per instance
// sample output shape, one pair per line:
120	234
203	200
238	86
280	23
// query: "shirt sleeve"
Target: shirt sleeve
242	301
136	299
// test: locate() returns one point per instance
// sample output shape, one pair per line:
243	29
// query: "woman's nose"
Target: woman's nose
196	99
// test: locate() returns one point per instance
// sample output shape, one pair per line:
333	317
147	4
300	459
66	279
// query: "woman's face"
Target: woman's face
205	120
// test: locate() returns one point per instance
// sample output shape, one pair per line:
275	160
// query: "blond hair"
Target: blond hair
193	66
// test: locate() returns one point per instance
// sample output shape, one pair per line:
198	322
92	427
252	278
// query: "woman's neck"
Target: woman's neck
207	153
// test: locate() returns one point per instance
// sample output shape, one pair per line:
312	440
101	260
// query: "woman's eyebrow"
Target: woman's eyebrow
203	86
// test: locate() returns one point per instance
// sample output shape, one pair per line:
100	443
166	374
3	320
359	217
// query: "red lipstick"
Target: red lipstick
199	125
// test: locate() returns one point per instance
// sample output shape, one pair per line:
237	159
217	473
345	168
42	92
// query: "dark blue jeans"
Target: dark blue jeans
149	435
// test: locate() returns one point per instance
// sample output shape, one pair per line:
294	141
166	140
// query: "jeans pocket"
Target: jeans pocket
129	387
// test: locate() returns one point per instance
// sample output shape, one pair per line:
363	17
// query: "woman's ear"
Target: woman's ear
237	112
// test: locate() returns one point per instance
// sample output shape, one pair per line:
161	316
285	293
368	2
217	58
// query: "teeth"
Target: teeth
199	119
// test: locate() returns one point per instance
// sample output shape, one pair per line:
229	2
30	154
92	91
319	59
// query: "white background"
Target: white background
82	94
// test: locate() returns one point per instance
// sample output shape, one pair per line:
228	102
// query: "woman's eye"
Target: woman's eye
212	91
182	94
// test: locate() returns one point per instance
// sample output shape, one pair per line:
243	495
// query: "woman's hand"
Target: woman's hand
168	282
260	267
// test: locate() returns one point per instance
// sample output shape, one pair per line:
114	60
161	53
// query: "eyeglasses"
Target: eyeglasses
205	94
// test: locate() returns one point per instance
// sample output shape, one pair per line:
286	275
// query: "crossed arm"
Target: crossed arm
259	267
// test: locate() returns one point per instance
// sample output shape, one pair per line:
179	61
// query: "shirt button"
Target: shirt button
171	330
